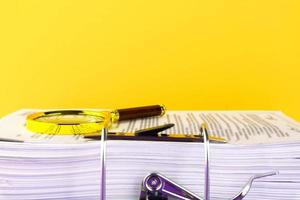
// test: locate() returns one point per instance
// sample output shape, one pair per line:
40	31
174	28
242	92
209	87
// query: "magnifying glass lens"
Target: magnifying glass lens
71	119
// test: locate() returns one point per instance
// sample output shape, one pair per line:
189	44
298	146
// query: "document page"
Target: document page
239	127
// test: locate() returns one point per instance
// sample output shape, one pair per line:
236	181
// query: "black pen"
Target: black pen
9	140
154	134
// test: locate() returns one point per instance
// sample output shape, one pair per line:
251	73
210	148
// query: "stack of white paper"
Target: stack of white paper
62	167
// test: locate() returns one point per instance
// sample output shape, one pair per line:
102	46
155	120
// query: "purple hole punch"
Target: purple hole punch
158	187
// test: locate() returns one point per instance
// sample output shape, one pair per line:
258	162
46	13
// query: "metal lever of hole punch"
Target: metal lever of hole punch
247	187
158	187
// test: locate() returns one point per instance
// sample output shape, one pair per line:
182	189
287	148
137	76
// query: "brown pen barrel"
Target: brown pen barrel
140	112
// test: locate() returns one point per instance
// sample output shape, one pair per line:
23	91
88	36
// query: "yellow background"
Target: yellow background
201	54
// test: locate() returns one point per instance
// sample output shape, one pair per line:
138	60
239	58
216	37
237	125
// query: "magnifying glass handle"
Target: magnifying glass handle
140	112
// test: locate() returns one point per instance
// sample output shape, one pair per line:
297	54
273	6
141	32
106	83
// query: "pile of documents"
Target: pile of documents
38	166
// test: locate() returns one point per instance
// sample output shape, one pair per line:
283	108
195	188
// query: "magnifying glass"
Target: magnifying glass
85	122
